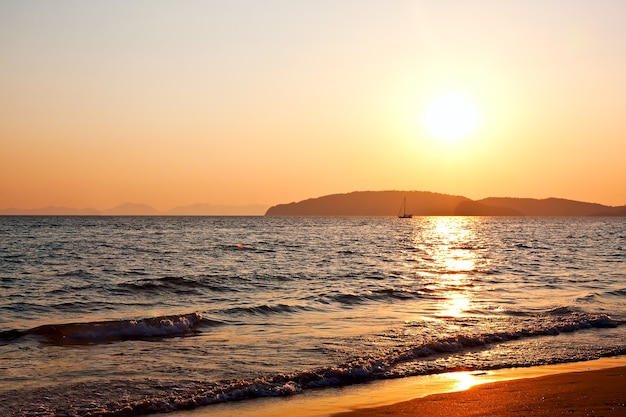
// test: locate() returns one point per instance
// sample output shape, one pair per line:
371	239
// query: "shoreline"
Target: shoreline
400	397
586	393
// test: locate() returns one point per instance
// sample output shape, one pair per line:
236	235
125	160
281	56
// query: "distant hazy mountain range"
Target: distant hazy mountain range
131	209
420	203
360	203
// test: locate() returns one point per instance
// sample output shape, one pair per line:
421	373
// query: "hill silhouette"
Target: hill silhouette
359	203
371	203
216	210
547	207
422	203
134	209
50	211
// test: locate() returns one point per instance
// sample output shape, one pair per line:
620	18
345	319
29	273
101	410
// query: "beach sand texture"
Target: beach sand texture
592	393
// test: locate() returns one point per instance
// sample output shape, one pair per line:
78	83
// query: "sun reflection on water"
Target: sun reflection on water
449	255
455	306
466	380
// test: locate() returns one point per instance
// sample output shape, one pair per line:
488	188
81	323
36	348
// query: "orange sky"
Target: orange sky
240	102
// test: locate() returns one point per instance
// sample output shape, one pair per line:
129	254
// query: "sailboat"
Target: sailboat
402	213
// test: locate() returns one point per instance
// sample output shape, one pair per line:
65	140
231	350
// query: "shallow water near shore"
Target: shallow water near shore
135	315
327	403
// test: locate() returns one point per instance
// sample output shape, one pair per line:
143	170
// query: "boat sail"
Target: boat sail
402	213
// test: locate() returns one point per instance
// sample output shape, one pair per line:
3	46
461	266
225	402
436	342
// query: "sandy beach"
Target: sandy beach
590	393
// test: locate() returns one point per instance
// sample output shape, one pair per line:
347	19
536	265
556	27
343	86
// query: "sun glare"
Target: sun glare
451	116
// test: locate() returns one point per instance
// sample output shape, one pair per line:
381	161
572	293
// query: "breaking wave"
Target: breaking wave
111	331
129	397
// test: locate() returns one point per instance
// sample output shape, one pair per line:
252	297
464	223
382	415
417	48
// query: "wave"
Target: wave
619	293
168	283
588	298
563	311
265	310
134	398
112	331
384	294
79	273
180	285
381	366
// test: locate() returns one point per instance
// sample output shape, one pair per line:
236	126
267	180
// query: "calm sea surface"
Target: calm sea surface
123	316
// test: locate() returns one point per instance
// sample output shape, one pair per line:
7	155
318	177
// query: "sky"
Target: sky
235	102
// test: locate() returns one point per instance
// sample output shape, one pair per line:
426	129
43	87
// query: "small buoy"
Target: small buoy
240	246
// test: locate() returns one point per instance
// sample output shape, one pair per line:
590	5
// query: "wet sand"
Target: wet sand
591	393
593	388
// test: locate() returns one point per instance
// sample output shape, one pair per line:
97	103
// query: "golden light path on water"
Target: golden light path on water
449	250
444	258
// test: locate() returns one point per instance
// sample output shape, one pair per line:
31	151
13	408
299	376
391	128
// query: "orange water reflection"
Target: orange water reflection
449	255
466	380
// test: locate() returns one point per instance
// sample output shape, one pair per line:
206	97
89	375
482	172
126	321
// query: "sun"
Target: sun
451	116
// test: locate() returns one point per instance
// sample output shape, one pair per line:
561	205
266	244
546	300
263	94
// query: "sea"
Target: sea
130	316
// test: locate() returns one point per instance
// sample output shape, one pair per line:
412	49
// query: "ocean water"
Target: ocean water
125	316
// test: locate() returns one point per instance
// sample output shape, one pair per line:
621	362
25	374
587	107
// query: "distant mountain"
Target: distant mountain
217	210
358	203
548	206
132	209
50	211
619	211
420	203
475	208
371	203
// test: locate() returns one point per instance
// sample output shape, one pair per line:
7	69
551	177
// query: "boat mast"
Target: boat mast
403	210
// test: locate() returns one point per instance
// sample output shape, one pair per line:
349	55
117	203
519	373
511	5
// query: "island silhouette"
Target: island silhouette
357	203
424	203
